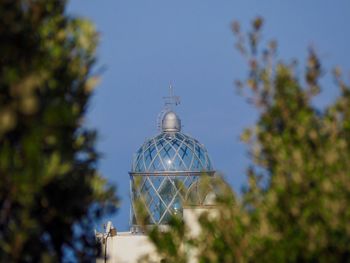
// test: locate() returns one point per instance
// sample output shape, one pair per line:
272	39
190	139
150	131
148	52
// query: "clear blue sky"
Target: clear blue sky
145	45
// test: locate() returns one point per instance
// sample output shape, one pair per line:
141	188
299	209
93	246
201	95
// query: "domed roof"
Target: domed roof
171	152
171	122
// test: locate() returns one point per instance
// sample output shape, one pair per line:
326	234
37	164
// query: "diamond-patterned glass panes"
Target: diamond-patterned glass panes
165	174
171	152
163	196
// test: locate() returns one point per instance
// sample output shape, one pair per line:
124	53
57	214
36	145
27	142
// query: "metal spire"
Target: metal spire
171	100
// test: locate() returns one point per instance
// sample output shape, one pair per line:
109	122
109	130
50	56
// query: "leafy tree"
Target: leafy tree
296	206
50	190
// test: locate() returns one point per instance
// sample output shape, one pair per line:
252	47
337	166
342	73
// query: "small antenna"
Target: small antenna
169	102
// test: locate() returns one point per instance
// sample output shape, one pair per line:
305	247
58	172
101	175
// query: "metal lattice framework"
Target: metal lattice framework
165	171
171	152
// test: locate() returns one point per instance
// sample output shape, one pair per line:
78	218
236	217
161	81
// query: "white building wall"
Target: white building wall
127	247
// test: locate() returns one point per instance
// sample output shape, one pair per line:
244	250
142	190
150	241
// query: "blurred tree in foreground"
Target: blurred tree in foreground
296	207
50	191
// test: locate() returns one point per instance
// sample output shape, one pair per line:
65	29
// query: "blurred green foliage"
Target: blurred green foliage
50	190
296	206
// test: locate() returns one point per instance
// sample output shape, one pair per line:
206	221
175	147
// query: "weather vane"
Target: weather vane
171	100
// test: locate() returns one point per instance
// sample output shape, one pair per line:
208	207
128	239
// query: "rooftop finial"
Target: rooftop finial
171	122
171	100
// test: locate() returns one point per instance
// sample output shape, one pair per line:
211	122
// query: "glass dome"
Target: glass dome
165	172
171	152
